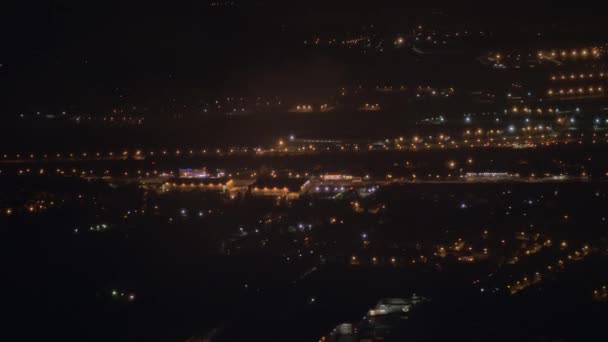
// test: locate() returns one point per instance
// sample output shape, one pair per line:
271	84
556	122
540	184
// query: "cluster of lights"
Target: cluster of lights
30	207
434	92
84	172
304	107
480	131
527	281
130	297
594	52
124	118
194	186
108	118
577	76
370	107
576	91
355	41
393	261
601	294
267	189
95	228
529	110
137	154
390	88
328	189
472	137
535	248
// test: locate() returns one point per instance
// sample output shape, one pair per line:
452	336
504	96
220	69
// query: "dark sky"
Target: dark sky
53	47
60	53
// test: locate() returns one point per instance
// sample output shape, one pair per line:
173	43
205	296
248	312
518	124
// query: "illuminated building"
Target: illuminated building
198	184
290	188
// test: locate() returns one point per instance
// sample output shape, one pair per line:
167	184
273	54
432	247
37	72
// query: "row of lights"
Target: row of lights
193	185
579	76
526	282
516	109
573	91
137	153
574	53
375	260
91	172
312	148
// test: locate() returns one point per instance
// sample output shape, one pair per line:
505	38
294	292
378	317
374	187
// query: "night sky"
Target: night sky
57	53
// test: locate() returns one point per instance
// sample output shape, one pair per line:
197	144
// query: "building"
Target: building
200	173
333	183
290	188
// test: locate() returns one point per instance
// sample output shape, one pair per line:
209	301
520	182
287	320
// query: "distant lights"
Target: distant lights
575	53
578	76
576	91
